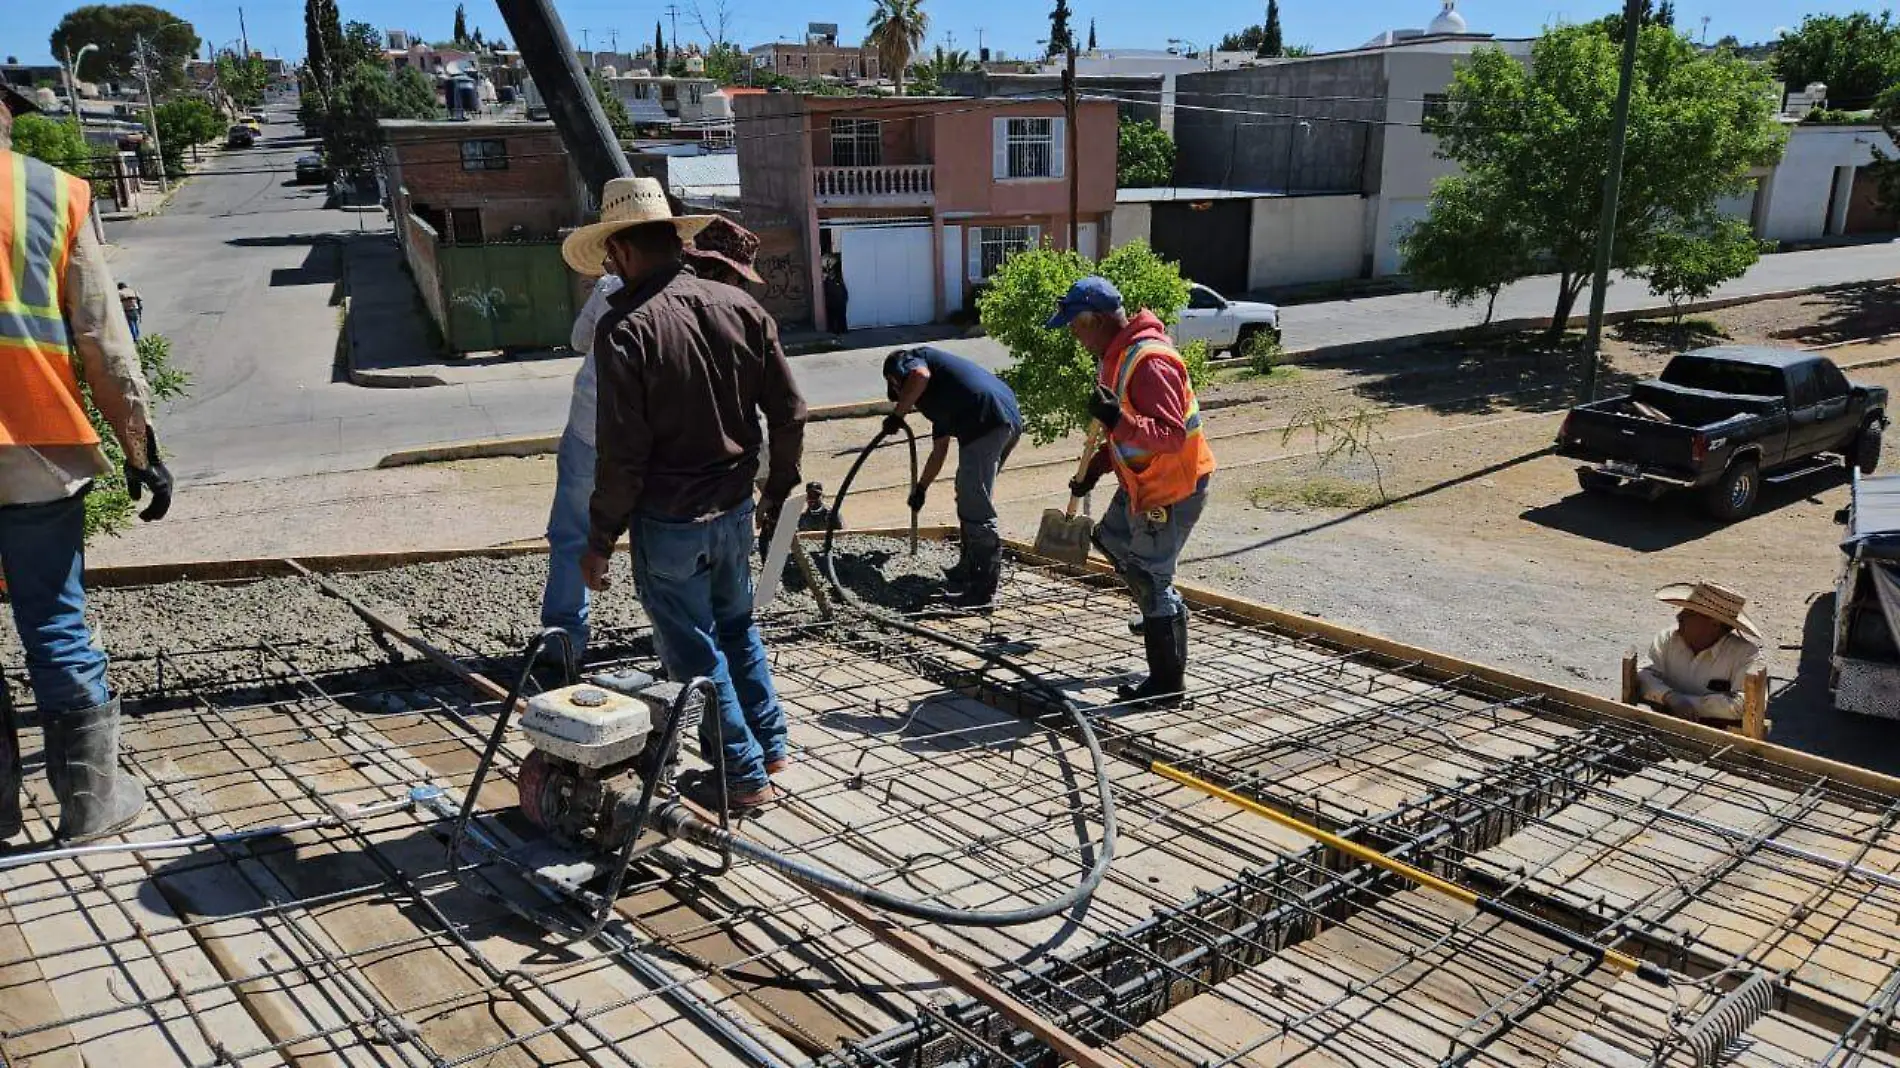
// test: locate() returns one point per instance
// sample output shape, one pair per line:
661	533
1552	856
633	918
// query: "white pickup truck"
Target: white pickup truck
1224	324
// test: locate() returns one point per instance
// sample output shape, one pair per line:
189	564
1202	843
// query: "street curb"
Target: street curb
537	445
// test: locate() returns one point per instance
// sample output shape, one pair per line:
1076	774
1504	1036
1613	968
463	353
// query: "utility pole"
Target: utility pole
588	48
979	44
1612	189
1073	163
673	12
549	56
244	35
151	113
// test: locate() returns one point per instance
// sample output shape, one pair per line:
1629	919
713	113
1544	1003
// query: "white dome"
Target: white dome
1449	21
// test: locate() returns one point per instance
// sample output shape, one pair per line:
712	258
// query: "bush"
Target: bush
108	506
1263	353
1053	376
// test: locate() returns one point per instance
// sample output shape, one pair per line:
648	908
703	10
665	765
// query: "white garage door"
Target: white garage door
887	275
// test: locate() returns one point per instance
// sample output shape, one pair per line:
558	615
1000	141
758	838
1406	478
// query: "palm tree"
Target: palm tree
897	32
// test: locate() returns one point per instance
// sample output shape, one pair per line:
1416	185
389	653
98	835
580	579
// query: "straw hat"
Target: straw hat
625	203
1713	600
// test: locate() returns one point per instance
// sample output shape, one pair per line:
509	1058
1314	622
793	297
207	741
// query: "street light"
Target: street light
72	80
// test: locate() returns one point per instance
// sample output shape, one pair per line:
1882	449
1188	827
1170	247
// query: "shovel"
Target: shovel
1064	536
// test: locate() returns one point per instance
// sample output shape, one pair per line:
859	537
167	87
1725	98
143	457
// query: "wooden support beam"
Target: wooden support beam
1755	704
1629	678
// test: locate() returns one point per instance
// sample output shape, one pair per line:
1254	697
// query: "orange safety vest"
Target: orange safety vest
1157	479
41	211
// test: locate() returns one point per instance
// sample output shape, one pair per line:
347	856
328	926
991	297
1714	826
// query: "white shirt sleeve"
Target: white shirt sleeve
581	339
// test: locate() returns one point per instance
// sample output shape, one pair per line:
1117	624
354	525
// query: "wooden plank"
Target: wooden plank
1755	704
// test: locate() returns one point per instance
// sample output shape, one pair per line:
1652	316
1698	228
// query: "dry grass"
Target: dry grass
1318	493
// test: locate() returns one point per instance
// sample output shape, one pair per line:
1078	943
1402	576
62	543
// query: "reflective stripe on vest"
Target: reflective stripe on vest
41	212
1157	480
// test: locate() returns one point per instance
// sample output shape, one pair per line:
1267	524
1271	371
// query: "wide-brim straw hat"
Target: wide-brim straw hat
624	204
1713	600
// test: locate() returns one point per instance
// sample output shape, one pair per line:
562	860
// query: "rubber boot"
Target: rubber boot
1165	638
1138	623
979	590
11	777
958	573
82	762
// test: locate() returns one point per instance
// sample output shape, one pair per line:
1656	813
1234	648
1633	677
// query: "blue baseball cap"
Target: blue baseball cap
1091	294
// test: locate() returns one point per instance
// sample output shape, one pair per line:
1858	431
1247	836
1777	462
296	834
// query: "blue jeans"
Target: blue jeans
133	322
565	600
978	461
42	554
695	581
1146	551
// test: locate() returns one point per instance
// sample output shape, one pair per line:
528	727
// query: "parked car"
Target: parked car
311	168
256	124
1864	659
1722	420
240	136
1224	324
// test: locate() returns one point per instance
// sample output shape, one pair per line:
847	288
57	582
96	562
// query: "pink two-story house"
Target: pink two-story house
915	200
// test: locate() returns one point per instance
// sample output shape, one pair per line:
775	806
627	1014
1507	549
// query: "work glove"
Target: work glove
893	424
153	476
1082	487
917	496
1104	407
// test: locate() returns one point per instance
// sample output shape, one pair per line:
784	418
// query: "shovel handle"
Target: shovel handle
1089	445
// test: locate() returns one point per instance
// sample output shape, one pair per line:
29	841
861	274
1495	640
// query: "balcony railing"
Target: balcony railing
913	183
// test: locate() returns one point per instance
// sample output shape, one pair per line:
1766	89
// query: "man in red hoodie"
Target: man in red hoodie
1161	459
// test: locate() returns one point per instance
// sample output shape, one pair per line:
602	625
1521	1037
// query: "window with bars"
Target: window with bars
484	155
856	143
995	244
1031	148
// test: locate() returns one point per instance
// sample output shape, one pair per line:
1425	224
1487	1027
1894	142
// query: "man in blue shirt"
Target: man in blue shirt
965	402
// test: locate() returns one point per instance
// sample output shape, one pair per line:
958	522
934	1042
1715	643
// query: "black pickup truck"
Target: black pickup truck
1720	421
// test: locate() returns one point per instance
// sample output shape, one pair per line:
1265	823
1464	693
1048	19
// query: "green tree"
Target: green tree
1469	246
1689	263
54	141
726	64
927	77
1886	169
360	44
323	48
659	50
1247	40
1052	375
1698	124
1091	35
897	29
182	123
108	506
116	29
1272	43
365	96
618	119
1856	55
1144	155
1061	38
461	27
244	78
1666	14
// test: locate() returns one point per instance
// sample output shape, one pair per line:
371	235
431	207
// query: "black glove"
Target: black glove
917	496
1104	407
893	424
1081	487
153	476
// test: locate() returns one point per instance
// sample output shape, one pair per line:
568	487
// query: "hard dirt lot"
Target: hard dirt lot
1485	549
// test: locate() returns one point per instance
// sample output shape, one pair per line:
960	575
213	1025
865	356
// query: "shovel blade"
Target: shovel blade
1063	537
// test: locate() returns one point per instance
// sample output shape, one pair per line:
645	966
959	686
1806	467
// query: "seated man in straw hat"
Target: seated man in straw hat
686	366
1696	668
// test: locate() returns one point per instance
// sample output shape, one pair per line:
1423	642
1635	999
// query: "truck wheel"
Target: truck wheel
1867	448
1591	481
1734	495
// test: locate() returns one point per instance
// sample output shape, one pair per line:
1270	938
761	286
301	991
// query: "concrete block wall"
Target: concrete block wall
1242	129
1300	240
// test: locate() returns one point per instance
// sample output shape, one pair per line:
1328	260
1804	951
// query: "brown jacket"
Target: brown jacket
686	366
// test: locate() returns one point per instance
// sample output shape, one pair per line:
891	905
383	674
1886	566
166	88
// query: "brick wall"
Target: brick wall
419	251
536	190
775	173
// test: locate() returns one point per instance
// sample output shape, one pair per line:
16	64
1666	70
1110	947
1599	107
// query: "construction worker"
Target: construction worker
965	402
59	311
1143	398
686	366
1696	668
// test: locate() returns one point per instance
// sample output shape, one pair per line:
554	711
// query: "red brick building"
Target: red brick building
483	181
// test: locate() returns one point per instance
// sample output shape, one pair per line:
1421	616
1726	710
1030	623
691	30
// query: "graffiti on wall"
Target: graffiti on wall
781	262
491	303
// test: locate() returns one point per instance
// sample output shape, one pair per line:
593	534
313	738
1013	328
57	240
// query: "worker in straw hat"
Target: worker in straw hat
685	368
1696	667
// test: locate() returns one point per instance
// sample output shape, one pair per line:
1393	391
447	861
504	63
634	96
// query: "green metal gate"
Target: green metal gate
514	296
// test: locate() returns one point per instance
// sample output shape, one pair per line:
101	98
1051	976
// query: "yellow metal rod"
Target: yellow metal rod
1622	962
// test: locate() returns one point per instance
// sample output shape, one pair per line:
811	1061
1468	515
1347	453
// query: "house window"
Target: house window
466	225
484	155
857	143
1031	148
994	244
1436	106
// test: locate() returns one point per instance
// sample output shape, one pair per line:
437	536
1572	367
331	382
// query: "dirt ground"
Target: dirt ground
1486	550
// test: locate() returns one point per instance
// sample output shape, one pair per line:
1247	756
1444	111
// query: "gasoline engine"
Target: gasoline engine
593	743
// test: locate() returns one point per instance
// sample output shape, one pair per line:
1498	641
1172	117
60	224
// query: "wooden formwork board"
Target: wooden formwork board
1612	854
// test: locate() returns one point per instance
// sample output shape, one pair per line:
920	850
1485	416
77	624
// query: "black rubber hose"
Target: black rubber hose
679	822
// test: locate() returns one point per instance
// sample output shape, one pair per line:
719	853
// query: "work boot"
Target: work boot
979	588
958	573
1166	640
11	776
1138	623
82	761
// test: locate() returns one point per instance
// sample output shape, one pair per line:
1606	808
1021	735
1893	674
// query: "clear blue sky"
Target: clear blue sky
276	26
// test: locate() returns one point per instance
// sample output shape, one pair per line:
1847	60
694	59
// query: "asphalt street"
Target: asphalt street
234	271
